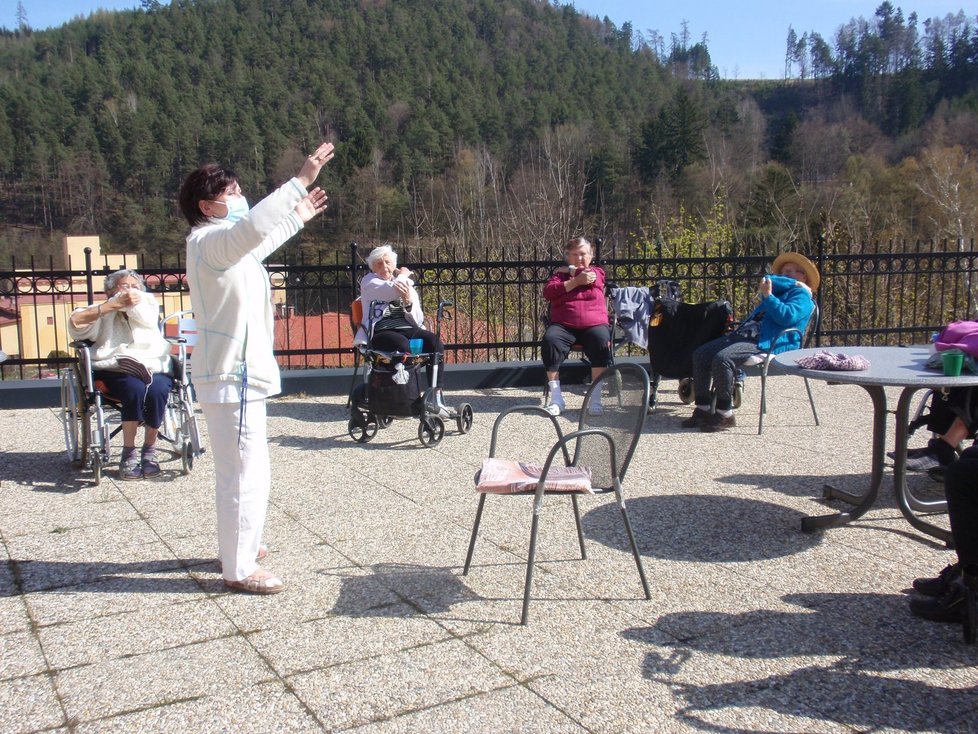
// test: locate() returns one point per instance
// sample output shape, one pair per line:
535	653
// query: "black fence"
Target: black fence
876	297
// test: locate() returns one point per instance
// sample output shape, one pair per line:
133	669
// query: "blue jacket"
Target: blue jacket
789	306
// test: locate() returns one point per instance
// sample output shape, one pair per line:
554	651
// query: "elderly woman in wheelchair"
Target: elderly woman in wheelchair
130	358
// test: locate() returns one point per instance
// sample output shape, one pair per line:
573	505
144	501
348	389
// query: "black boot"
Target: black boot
969	580
947	608
939	585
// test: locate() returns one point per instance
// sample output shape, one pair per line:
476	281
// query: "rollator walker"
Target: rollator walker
391	389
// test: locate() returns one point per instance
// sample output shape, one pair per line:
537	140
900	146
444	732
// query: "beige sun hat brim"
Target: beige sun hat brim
802	262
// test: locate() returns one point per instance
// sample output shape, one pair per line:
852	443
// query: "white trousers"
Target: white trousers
244	476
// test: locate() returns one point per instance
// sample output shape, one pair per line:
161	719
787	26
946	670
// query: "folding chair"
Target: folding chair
603	444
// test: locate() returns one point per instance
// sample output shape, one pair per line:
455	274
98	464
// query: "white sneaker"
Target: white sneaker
556	404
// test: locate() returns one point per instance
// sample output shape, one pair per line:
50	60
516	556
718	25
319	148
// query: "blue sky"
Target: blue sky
746	39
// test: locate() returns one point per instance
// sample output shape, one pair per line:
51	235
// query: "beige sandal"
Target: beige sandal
260	582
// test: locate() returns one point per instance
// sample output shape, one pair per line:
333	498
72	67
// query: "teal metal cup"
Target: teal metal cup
417	346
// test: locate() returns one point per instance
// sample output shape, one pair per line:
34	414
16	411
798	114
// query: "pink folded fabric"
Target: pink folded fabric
836	361
501	476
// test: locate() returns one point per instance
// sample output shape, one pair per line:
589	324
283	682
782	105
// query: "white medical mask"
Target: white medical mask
237	207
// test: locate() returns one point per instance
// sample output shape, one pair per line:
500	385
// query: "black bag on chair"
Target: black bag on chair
386	397
677	329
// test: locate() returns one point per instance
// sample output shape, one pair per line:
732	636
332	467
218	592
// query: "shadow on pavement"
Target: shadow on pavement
703	528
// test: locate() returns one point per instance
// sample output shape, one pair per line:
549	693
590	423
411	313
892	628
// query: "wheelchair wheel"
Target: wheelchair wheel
173	422
431	431
383	421
361	427
464	418
96	451
97	460
70	415
686	390
187	457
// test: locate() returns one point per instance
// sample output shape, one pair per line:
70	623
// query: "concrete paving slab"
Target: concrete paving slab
112	594
20	655
29	704
263	707
346	695
161	678
508	709
125	635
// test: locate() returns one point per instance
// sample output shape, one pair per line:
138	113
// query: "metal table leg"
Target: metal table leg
909	504
864	501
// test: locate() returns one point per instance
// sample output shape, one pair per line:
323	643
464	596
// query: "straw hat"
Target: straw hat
802	262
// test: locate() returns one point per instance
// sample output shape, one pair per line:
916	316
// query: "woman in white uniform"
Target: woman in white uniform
233	364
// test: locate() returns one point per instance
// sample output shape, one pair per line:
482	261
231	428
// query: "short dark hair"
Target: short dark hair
205	184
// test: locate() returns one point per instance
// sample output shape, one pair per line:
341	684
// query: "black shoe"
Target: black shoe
939	585
924	461
696	419
910	452
717	422
948	608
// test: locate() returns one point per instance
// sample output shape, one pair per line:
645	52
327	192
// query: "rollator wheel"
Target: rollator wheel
431	431
738	396
383	421
362	432
464	418
686	390
187	457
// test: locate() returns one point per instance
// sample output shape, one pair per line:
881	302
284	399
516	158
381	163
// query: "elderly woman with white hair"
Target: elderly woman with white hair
392	314
130	358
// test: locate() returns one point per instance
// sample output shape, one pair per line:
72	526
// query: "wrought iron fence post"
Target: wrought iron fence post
353	269
88	276
820	264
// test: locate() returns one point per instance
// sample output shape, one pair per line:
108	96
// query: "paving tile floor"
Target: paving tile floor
113	616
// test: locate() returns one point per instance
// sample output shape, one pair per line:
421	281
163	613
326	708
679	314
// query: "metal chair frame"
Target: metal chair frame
618	460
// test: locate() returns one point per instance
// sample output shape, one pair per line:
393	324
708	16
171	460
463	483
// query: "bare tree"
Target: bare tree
950	182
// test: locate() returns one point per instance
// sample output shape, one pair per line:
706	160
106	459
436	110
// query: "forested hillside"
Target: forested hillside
486	123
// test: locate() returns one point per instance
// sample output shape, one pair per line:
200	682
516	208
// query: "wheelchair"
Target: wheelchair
89	416
390	389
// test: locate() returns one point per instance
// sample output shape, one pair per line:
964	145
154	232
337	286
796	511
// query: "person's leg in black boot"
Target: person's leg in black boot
961	489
